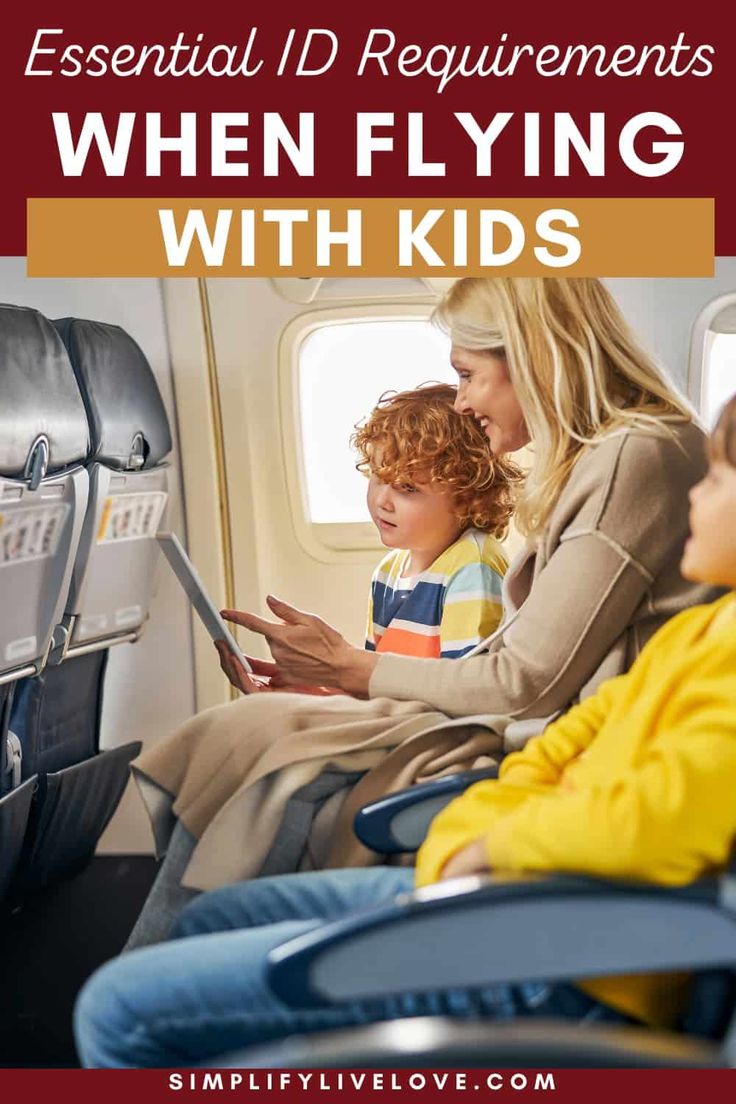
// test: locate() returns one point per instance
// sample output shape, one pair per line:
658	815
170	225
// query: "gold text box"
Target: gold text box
123	237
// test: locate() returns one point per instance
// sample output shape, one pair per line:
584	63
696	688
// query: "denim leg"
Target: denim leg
189	1000
317	895
195	998
192	1000
181	1001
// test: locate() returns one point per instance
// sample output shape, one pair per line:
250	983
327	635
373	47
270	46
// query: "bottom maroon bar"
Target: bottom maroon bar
306	1086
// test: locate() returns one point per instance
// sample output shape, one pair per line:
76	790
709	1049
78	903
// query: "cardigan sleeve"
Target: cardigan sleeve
628	524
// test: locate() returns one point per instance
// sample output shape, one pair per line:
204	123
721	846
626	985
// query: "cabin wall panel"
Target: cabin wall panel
662	312
248	318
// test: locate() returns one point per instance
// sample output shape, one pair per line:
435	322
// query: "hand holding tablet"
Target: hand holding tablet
235	671
232	660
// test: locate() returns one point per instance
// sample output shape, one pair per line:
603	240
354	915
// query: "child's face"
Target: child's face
710	553
418	516
485	390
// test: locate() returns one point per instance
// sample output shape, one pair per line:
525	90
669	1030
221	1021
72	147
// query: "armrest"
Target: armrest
439	1043
400	821
470	932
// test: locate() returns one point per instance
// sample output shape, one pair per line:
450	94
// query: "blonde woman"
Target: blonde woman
551	363
547	362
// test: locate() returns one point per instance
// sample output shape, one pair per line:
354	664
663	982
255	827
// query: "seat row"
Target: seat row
84	487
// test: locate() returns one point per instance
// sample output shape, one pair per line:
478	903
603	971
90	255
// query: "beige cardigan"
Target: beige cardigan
579	608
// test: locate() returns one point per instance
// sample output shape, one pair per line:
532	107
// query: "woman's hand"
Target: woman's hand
306	650
472	859
237	674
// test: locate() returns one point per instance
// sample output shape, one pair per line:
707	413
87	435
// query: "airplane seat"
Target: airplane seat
43	497
108	601
130	438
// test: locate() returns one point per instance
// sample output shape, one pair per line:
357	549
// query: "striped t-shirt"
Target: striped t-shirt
444	611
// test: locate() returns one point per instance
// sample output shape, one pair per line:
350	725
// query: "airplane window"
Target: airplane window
719	382
712	374
343	370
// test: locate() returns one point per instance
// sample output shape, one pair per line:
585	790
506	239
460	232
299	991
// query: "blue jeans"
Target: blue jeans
204	992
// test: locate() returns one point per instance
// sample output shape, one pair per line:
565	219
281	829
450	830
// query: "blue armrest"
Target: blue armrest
400	821
471	932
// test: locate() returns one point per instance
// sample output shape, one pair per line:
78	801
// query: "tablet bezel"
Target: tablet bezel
194	589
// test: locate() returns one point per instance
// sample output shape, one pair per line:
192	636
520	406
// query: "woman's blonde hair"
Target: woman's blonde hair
722	442
575	366
419	436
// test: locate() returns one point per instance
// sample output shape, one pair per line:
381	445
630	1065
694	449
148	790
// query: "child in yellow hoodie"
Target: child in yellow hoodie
637	782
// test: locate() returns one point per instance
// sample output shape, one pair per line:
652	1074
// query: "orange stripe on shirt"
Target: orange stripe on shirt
405	642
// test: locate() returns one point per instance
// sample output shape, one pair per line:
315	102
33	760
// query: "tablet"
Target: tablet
209	614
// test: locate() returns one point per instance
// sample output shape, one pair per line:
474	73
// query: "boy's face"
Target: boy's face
418	516
710	553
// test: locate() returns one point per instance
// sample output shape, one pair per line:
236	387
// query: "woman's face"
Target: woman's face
710	553
484	390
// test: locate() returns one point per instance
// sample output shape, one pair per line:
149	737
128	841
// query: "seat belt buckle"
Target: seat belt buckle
14	759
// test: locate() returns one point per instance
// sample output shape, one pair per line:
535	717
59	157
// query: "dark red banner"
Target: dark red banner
445	1086
631	82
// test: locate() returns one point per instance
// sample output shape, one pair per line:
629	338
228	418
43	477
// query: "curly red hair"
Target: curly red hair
418	436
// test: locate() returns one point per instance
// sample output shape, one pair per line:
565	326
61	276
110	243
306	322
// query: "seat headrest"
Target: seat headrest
127	419
40	396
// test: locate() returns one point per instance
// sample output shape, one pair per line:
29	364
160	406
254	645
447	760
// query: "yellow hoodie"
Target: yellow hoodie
636	782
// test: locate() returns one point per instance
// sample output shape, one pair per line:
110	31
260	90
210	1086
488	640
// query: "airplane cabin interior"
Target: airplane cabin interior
220	410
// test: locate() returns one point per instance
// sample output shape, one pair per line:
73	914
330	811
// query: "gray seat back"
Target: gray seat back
112	582
43	486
